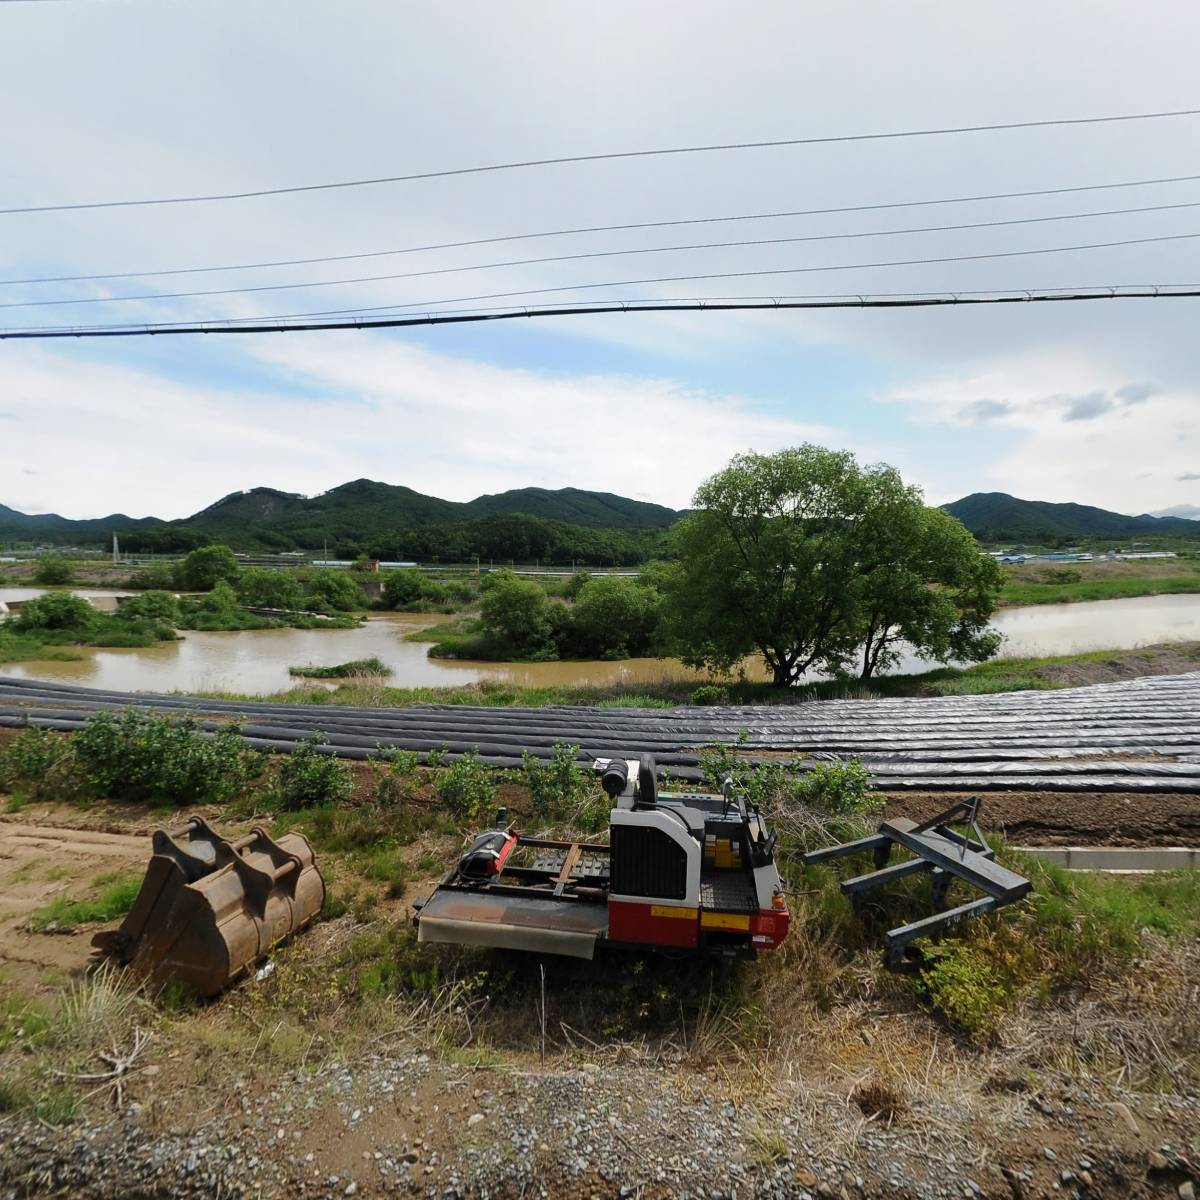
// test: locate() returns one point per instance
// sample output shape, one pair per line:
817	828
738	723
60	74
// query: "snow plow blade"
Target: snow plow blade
209	908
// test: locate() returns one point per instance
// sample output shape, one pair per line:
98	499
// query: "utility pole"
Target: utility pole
116	551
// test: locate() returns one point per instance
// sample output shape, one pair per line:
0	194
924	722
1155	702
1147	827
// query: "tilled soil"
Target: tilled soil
1071	818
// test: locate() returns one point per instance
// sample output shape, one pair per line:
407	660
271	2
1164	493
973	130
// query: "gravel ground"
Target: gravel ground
412	1125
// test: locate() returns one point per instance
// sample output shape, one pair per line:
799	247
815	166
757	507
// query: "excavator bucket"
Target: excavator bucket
209	907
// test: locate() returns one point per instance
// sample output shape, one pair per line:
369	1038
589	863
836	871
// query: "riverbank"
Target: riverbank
1000	675
1103	579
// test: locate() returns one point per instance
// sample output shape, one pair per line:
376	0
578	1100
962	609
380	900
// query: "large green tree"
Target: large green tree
816	562
203	568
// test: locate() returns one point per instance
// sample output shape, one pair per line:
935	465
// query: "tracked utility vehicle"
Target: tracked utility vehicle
682	872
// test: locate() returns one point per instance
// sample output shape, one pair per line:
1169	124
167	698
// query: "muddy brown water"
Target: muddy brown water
256	662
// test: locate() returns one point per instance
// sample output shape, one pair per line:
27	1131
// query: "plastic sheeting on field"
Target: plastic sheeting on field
1140	735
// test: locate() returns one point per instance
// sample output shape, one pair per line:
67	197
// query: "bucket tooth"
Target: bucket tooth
209	907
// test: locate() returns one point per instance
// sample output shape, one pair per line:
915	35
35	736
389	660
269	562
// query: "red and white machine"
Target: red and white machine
681	871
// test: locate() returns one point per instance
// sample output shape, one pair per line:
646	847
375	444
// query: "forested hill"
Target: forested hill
387	521
999	517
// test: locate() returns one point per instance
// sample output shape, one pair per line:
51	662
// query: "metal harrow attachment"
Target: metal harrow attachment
938	848
209	907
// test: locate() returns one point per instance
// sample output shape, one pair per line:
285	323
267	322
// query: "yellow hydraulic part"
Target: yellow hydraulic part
209	907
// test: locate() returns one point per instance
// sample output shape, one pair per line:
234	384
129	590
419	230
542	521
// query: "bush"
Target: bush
162	607
402	588
309	778
56	611
614	618
1060	575
52	570
709	694
260	588
156	577
465	786
203	568
839	788
38	763
558	787
961	984
513	611
148	757
335	589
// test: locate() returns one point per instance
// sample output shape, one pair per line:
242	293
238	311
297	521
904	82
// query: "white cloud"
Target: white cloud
1073	440
106	438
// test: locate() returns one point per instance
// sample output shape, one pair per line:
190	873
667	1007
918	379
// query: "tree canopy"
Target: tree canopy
816	562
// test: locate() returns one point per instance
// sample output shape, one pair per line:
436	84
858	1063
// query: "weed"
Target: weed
114	900
708	694
38	763
22	1024
961	984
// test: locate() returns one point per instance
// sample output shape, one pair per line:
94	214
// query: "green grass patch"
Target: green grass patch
358	666
26	647
112	897
1020	593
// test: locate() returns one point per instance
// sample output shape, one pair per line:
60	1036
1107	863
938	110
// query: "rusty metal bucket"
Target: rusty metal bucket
209	907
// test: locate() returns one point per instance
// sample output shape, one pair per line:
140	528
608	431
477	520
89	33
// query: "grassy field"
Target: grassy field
1068	583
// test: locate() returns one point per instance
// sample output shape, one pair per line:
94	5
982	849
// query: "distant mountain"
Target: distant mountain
999	517
1189	511
594	510
363	513
19	526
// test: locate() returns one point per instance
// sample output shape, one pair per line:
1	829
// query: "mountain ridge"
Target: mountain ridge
997	516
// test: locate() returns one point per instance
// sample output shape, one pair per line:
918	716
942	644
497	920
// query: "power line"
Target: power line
459	318
285	287
809	212
606	157
580	287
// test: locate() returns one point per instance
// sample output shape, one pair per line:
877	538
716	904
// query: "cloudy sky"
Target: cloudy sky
121	99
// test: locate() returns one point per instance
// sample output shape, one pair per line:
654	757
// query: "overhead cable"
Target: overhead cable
610	156
910	262
546	233
522	262
459	318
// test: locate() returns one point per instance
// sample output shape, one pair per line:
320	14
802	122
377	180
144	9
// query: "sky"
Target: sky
120	99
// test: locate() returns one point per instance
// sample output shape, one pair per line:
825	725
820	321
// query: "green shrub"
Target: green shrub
841	788
201	570
39	763
152	605
558	787
53	570
465	787
261	588
335	589
963	985
309	778
614	618
156	577
709	694
56	611
155	758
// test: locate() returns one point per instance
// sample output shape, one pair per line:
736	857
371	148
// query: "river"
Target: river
256	663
